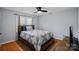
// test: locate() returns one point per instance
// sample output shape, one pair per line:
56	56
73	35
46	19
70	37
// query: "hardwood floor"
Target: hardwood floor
58	45
14	46
23	46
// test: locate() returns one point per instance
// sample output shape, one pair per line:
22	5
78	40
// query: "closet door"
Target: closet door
0	27
78	23
9	27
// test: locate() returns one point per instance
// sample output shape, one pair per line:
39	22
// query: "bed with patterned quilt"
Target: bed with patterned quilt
36	37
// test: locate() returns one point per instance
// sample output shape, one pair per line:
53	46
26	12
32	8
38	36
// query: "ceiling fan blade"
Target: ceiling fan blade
44	10
39	10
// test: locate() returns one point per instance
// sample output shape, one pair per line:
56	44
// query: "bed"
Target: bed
36	38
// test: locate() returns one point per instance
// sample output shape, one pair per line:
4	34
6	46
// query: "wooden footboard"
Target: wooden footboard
43	47
47	44
27	43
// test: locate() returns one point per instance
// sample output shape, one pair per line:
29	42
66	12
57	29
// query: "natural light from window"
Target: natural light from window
25	20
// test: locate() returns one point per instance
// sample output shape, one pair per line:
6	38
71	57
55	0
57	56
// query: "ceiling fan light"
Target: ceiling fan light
39	12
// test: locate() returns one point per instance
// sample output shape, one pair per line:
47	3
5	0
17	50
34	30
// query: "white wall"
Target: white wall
35	22
78	23
8	22
0	21
8	25
0	26
58	23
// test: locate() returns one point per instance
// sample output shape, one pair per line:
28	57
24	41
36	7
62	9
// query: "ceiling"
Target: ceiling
31	10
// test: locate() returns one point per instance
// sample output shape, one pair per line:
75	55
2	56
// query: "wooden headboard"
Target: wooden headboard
23	28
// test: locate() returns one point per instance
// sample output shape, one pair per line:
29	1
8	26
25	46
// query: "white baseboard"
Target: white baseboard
7	42
58	37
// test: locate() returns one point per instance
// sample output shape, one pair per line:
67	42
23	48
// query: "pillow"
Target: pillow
29	28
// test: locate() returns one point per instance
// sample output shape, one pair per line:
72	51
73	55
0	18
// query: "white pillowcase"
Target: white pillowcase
29	28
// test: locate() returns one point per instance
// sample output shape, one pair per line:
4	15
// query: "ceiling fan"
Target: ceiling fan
39	10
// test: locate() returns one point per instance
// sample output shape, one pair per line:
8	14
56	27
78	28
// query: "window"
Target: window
17	20
25	20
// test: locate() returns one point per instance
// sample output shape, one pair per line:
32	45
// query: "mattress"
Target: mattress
36	37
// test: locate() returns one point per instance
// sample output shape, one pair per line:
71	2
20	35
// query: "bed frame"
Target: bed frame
43	47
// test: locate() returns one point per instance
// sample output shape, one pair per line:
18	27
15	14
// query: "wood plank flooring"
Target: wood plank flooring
58	45
14	46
